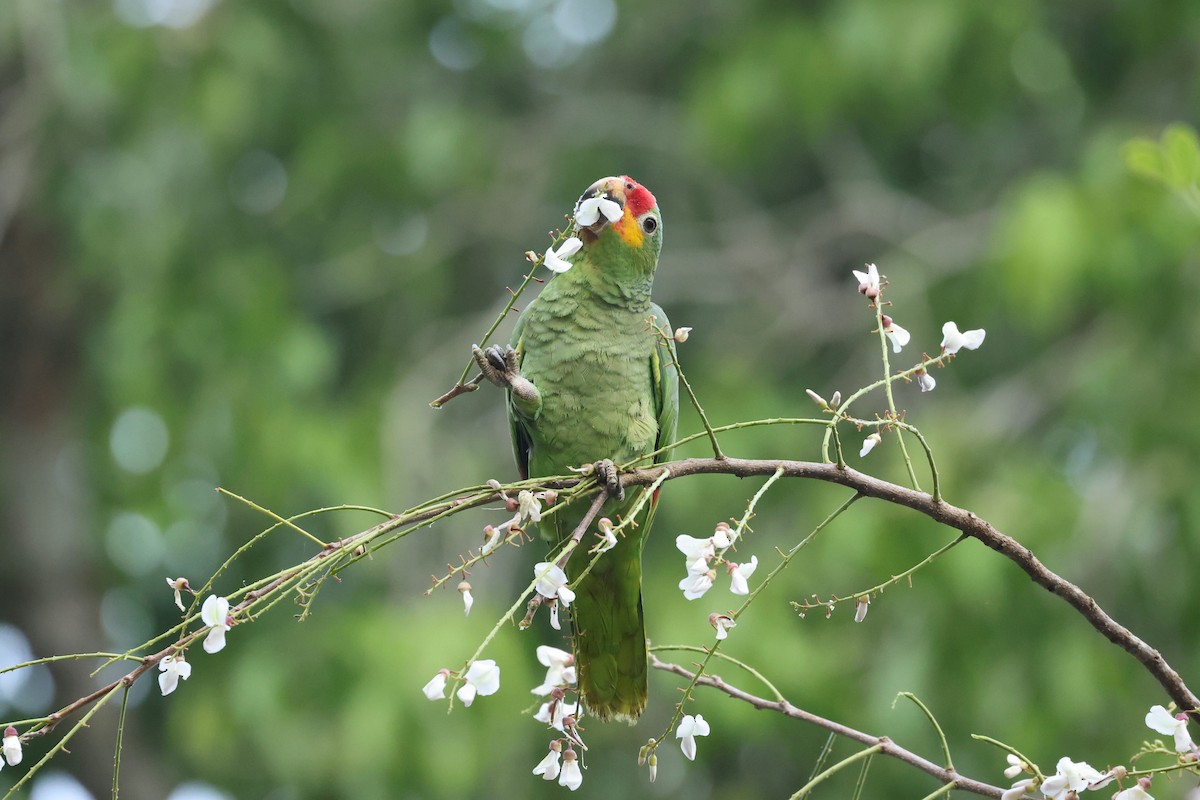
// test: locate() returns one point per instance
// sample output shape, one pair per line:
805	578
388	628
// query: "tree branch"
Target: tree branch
886	746
960	519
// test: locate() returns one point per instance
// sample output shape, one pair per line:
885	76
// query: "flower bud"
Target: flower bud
550	496
816	398
12	746
681	334
835	401
653	762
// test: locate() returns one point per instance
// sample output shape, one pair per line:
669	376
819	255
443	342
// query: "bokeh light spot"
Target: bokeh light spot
139	440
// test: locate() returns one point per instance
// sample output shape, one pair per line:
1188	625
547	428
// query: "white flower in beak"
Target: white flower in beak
590	210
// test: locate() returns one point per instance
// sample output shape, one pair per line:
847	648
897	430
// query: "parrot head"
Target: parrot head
620	217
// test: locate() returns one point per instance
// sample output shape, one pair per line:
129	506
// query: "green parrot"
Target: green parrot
589	380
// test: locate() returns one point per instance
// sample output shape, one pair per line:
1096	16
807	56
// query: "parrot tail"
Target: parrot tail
610	636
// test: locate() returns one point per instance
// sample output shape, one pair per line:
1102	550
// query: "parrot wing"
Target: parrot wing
666	396
519	423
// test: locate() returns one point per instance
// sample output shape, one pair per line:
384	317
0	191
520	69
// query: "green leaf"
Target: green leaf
1181	155
1143	157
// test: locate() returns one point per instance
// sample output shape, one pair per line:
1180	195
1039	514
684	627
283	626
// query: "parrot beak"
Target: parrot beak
610	189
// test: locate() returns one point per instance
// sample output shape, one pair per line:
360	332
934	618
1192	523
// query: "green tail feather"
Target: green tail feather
610	634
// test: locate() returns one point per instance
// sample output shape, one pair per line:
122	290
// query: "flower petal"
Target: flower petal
215	641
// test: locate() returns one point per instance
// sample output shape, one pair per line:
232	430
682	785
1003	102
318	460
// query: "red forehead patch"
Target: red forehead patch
638	198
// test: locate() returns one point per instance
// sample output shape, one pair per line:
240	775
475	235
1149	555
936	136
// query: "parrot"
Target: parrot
589	380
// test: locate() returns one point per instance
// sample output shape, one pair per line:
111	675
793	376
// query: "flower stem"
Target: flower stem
827	773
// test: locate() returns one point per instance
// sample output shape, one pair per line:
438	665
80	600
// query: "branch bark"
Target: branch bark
952	516
886	745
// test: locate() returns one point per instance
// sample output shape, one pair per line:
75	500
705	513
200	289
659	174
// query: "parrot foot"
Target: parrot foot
502	366
609	478
498	364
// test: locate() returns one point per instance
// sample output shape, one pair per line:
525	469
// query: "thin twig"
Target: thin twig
886	746
960	519
456	390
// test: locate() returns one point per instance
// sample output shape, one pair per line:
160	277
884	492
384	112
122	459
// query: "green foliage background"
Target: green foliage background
278	226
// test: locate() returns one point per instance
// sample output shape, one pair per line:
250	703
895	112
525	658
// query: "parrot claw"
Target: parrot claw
499	365
502	366
607	475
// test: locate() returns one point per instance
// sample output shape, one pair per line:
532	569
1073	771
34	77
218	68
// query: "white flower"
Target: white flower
560	669
1135	792
572	776
1116	773
689	728
555	260
1160	720
482	678
722	622
529	506
696	551
1070	777
178	584
738	573
12	746
548	766
554	623
722	537
171	670
868	282
562	710
681	334
953	340
897	335
925	381
588	212
552	582
468	600
608	539
1015	767
861	606
696	584
869	444
1019	789
436	688
215	614
492	538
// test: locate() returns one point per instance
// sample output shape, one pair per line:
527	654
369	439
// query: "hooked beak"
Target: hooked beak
609	189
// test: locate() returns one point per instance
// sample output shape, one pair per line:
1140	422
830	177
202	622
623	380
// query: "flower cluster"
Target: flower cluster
1072	777
215	614
700	574
481	679
527	507
871	285
552	585
560	715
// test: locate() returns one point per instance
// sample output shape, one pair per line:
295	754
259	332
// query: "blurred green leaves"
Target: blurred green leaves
280	227
1173	160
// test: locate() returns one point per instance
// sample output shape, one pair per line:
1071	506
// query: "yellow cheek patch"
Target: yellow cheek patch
629	230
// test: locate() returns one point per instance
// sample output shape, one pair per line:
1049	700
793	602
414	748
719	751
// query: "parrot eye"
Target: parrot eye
649	224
